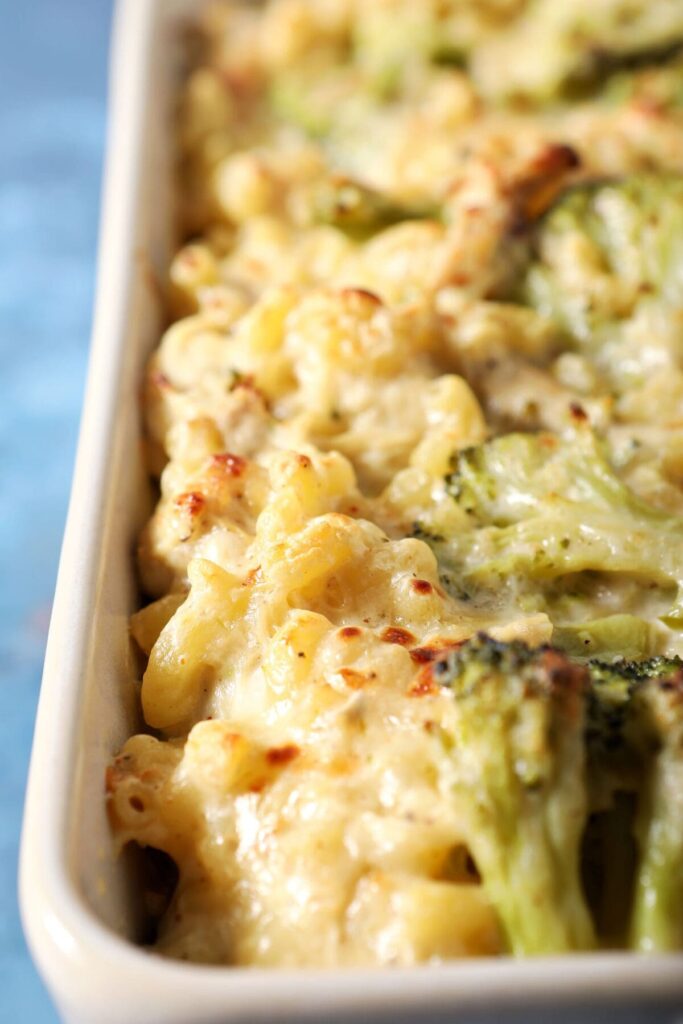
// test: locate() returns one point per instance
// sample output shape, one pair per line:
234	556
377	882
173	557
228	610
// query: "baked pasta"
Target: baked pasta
413	684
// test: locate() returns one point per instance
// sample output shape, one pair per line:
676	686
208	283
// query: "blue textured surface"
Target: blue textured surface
52	110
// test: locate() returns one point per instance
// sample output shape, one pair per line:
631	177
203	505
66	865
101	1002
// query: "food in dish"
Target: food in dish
415	574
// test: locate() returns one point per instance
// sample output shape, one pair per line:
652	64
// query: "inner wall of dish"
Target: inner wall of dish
111	883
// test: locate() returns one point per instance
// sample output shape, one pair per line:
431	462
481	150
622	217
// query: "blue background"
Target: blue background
53	64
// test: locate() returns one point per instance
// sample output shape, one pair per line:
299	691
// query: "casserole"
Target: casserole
78	902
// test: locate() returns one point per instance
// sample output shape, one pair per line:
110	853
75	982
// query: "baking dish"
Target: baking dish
78	901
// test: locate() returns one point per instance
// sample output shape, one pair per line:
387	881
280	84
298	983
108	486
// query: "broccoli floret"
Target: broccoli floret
657	668
612	766
608	268
391	38
658	908
541	508
517	756
635	742
554	45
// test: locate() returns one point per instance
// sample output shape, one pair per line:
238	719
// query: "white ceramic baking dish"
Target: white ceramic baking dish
78	901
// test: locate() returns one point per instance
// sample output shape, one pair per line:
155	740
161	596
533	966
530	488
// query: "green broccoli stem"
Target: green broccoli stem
635	737
517	756
657	925
534	888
